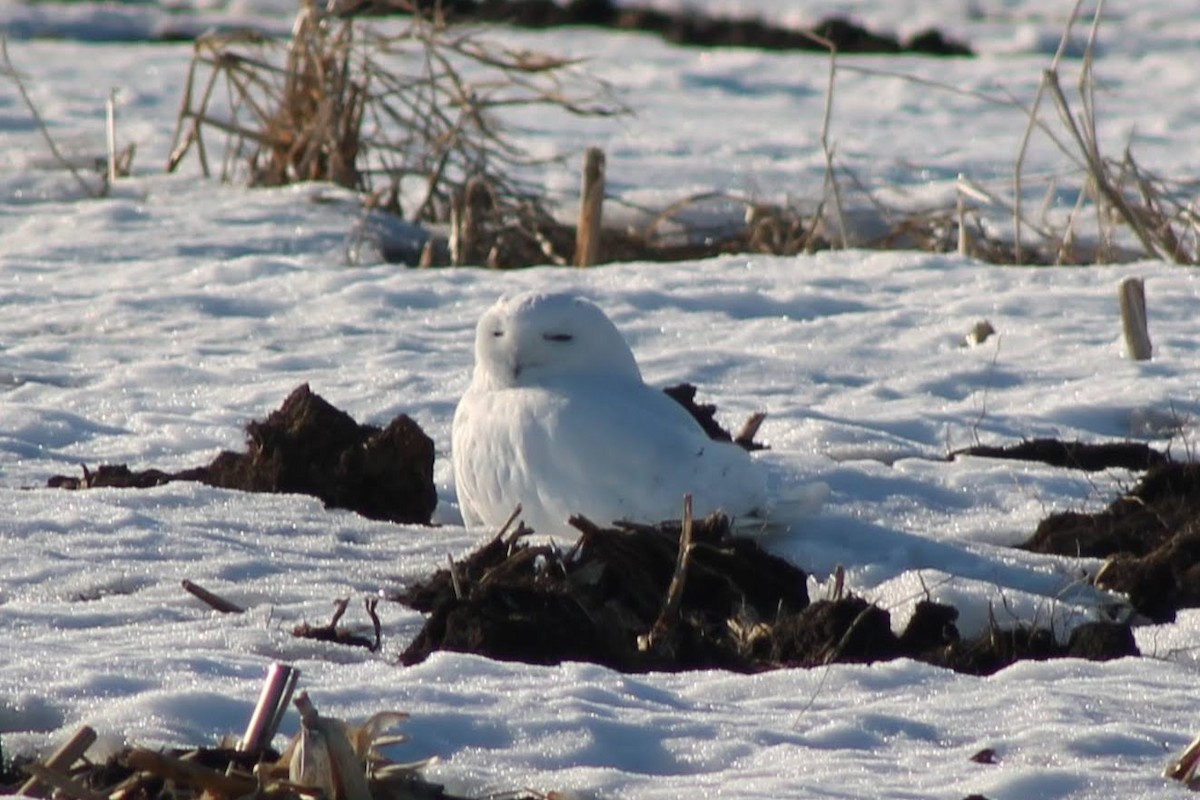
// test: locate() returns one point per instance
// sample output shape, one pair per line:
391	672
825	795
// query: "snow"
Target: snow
148	327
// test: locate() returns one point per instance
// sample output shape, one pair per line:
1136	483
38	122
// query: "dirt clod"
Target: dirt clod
1150	536
308	446
1074	455
742	609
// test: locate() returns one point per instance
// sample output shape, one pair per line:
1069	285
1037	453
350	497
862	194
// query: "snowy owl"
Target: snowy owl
558	419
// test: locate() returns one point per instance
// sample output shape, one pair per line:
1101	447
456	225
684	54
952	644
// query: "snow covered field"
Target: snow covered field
149	326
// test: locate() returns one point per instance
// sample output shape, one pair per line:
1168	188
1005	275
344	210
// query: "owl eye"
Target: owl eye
497	333
557	337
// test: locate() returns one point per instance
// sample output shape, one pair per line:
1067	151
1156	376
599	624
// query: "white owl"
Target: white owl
558	419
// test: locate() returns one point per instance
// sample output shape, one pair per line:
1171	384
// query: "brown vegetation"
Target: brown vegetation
328	758
1150	536
691	28
372	111
384	114
309	447
736	607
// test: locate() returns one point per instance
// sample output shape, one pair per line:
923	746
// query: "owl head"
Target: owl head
534	337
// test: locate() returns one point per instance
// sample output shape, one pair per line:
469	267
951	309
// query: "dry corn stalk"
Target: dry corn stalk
336	758
323	757
415	113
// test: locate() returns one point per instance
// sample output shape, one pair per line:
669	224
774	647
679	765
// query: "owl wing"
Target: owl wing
607	451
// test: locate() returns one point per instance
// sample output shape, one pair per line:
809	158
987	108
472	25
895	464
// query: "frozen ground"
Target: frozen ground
148	327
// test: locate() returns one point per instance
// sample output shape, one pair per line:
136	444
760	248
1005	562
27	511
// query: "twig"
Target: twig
661	217
63	785
508	523
180	142
670	611
587	530
188	772
1023	149
372	605
67	754
454	579
831	183
839	583
197	136
1184	768
339	610
332	108
331	633
745	436
11	71
1099	175
216	602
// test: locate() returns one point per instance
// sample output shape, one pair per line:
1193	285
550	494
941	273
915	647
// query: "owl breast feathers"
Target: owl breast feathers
558	419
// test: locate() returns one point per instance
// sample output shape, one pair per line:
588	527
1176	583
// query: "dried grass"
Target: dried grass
9	70
1123	212
1137	213
373	111
417	114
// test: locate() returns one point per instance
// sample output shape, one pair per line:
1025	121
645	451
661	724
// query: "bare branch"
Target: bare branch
7	68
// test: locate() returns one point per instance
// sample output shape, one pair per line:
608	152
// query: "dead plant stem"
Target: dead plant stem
11	71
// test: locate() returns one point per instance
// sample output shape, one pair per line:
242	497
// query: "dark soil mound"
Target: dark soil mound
740	609
309	447
706	415
540	605
1074	455
689	28
1150	535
